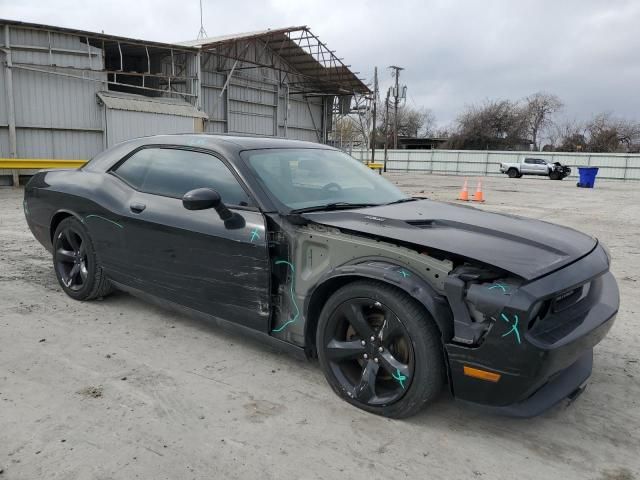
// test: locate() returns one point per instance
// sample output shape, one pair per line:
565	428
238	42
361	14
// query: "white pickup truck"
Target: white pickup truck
535	166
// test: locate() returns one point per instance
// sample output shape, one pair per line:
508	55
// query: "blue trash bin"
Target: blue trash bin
587	176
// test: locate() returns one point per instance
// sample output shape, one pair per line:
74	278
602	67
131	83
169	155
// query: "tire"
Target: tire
404	337
555	176
76	264
513	173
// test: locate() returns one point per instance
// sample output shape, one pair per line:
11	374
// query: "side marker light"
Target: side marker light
481	374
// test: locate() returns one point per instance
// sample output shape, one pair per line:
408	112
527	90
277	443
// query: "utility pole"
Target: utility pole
396	95
386	129
375	104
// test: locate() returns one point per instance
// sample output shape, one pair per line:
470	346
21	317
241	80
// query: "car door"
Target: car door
543	168
528	166
192	257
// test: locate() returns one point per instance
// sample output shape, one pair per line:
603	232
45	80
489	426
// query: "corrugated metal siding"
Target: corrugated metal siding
3	89
256	105
140	103
124	125
62	144
59	117
36	41
212	103
4	142
53	101
252	106
305	118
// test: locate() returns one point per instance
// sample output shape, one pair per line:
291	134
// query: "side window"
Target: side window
529	160
173	172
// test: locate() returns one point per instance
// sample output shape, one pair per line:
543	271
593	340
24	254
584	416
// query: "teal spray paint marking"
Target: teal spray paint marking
399	377
514	327
404	273
499	285
102	218
255	235
293	297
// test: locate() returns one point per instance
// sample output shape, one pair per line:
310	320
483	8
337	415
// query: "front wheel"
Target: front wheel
513	173
78	270
380	350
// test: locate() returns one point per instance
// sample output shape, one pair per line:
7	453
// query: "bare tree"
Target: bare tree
495	124
609	134
569	136
539	109
412	122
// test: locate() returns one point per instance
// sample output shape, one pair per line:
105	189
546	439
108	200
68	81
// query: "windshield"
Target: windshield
303	178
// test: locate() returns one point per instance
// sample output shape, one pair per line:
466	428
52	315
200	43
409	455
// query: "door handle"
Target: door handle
137	207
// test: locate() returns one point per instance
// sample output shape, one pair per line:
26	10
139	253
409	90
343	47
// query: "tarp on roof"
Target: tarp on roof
140	103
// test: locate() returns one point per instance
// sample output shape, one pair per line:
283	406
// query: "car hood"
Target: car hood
525	247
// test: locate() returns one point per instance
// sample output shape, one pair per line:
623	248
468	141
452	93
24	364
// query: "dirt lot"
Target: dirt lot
121	389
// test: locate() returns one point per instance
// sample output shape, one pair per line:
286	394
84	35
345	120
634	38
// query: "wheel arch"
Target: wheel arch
435	304
57	218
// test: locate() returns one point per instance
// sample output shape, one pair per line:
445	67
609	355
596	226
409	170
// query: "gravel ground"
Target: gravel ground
119	389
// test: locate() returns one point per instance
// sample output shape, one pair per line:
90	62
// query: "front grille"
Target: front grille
565	313
570	297
552	329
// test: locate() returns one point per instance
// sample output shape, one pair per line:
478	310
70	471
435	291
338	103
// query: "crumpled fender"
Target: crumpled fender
403	278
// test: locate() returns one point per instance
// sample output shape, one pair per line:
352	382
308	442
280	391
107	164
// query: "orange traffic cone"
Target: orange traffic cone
464	193
478	196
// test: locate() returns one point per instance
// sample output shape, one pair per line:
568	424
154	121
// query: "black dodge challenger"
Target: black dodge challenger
300	245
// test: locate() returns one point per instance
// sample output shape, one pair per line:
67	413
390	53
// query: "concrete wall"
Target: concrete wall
618	166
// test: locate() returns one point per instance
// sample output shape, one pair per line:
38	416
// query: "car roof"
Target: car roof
228	145
242	142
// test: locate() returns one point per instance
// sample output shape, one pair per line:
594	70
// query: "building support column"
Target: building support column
11	112
198	88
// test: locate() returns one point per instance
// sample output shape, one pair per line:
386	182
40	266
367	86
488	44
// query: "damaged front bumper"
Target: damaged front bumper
539	345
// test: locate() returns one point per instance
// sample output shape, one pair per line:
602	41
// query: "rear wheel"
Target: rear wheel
77	268
380	350
513	173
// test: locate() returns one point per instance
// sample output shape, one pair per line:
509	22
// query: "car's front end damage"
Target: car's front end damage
519	316
526	347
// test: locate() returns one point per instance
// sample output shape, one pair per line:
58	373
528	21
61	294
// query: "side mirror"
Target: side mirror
204	198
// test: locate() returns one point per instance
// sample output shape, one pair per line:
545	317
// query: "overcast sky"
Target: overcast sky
454	52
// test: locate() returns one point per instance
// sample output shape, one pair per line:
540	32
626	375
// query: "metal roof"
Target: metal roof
308	57
102	36
140	103
317	68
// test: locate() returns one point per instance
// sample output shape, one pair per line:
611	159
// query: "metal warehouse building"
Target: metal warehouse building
68	94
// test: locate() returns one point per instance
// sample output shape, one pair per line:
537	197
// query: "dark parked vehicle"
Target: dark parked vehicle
306	248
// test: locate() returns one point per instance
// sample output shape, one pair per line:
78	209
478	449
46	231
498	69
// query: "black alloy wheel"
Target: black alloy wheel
76	264
379	349
370	352
71	260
